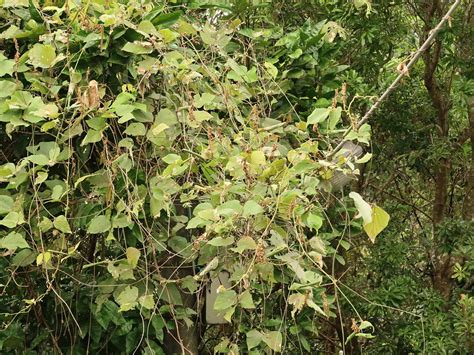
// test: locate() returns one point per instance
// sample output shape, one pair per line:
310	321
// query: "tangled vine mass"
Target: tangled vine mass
148	149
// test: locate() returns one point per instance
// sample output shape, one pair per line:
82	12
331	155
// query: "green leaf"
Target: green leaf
314	221
138	47
171	158
254	338
133	255
166	20
334	117
147	28
225	299
24	257
13	241
229	208
159	128
221	242
7	88
99	224
61	224
12	219
201	116
170	294
274	340
42	55
45	224
6	204
38	159
365	324
251	208
136	129
41	177
246	300
379	222
318	115
20	100
92	136
190	283
245	243
127	299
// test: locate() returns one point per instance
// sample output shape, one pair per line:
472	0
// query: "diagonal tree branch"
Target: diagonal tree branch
395	83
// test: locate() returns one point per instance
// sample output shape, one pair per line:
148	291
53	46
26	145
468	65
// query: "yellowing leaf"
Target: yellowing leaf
133	254
257	158
380	220
43	258
147	301
168	35
297	300
15	3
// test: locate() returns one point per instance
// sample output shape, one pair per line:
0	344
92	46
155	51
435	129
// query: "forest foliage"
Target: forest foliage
149	146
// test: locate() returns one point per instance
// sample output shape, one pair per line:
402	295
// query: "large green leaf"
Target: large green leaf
127	299
6	204
42	55
273	340
318	115
138	47
99	224
251	208
133	255
61	224
225	299
13	241
254	338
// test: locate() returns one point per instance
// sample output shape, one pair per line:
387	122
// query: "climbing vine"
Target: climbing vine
146	148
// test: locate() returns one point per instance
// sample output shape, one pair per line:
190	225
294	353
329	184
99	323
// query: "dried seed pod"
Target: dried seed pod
90	99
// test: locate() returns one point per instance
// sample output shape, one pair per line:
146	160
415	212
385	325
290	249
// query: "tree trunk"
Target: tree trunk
182	340
439	95
468	203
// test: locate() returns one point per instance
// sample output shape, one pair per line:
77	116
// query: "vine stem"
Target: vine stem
433	33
